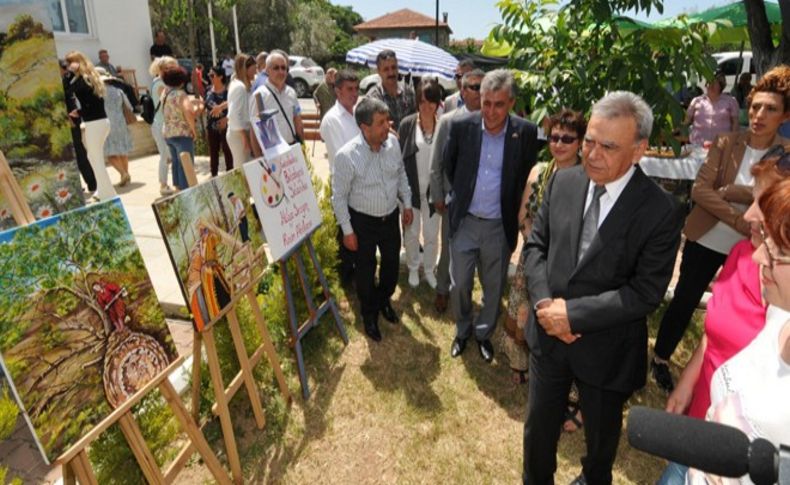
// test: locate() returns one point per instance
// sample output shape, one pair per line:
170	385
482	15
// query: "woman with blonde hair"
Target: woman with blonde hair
88	88
158	66
238	134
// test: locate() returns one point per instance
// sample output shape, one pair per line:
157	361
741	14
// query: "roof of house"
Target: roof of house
403	18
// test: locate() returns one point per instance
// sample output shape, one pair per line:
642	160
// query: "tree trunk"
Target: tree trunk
765	54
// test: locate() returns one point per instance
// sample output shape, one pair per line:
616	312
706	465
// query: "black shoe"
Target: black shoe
486	350
459	344
661	375
372	329
389	313
580	480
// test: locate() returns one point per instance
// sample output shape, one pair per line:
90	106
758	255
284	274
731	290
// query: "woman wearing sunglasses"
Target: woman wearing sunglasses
751	391
722	191
565	132
735	313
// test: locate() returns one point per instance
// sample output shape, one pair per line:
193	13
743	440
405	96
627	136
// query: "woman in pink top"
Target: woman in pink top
735	313
712	113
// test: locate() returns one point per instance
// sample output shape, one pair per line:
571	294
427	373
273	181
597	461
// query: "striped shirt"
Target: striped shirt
368	182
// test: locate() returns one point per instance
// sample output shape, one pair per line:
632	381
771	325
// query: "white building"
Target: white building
123	27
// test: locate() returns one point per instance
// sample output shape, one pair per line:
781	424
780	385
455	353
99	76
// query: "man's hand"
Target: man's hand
439	206
553	317
407	216
350	242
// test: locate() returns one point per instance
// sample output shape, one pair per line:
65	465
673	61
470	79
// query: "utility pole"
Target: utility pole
436	35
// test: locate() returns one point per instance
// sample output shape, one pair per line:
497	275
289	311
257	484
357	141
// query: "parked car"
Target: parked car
306	73
733	64
368	82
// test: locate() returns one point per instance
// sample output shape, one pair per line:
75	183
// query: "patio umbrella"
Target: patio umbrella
414	56
731	22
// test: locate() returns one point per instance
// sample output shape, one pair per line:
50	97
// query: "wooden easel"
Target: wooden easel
76	465
300	329
222	394
20	210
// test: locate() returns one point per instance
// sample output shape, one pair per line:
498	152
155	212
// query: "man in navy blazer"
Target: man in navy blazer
599	259
487	158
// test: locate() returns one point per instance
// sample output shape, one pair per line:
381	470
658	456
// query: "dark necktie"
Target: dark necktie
590	222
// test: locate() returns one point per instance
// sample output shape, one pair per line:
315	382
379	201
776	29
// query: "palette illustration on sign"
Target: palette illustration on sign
82	328
284	199
214	241
36	128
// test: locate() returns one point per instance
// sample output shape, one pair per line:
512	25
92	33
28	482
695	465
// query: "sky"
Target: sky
474	18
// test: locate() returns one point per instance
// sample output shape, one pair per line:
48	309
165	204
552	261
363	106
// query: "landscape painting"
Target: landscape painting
81	329
36	138
215	243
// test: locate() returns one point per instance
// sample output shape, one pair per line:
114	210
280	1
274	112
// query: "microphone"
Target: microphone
711	447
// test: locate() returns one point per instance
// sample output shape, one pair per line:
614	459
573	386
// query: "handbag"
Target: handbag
129	115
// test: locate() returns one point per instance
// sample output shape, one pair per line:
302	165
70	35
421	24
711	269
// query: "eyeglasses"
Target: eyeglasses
783	164
278	68
773	260
473	87
458	76
565	139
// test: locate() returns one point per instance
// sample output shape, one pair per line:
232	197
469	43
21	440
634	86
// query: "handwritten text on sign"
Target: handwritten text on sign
284	199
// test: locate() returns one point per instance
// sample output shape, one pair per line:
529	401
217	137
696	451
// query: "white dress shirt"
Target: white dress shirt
613	191
368	182
337	128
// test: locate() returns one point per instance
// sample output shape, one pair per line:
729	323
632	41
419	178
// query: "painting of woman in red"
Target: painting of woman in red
109	296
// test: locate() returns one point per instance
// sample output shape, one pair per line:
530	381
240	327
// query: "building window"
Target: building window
68	16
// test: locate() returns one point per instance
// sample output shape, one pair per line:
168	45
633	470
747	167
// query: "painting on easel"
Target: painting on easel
215	242
36	128
82	329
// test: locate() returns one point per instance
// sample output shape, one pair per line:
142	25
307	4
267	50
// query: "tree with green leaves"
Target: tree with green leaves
571	55
765	53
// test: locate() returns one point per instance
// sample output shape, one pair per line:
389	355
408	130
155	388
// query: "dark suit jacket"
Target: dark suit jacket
462	160
408	143
620	280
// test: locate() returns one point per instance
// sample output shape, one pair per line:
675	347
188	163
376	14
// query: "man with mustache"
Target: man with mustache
399	98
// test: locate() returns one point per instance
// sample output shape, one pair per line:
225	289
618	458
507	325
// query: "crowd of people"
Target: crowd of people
600	243
457	182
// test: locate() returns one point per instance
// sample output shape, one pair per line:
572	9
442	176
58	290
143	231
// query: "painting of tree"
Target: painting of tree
81	329
36	129
215	242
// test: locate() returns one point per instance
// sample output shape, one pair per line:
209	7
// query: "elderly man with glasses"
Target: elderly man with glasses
456	99
278	96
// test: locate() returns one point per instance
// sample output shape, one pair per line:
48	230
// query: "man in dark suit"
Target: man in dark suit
487	158
599	260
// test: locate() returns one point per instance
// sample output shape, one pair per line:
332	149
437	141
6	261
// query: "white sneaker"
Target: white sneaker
430	278
414	278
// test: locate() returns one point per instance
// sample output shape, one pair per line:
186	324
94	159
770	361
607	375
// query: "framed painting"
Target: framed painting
215	243
36	128
81	329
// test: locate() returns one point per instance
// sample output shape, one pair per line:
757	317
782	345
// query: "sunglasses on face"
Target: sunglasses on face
458	76
783	164
774	260
565	139
472	87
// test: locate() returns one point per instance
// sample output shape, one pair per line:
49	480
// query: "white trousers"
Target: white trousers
235	139
429	227
96	132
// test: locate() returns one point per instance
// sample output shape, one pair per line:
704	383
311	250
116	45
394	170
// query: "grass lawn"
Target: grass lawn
404	411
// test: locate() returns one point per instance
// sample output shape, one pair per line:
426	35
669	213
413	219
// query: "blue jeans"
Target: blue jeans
674	474
178	144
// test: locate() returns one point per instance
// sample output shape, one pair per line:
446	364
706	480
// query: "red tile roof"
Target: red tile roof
403	18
